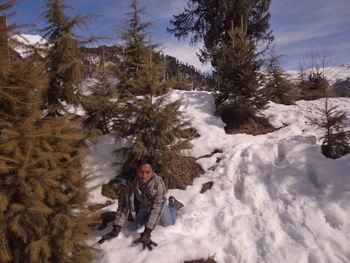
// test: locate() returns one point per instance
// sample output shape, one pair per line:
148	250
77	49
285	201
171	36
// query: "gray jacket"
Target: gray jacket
152	195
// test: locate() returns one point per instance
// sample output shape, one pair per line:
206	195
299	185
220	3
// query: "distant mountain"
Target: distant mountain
338	77
111	54
174	67
20	43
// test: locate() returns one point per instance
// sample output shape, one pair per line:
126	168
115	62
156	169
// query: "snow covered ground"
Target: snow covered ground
275	197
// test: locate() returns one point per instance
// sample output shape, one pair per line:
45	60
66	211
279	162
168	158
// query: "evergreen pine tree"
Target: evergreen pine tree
5	69
315	87
336	141
150	122
42	191
231	32
43	197
100	105
64	55
135	48
179	82
279	89
157	127
238	77
209	21
302	82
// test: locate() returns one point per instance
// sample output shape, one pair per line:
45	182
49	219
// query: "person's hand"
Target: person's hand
145	239
146	242
114	233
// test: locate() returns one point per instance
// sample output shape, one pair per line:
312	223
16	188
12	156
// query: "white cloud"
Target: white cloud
185	53
310	20
306	32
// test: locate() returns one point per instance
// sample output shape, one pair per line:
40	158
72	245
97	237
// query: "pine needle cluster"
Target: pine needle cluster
43	194
278	88
210	21
135	48
100	105
157	127
64	54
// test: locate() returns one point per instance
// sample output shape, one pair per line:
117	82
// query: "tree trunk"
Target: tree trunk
4	38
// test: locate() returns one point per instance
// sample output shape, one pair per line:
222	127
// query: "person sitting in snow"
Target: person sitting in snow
142	201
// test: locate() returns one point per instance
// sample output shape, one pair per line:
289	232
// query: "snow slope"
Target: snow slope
275	197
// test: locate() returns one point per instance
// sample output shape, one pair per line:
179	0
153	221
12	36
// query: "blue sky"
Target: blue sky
298	25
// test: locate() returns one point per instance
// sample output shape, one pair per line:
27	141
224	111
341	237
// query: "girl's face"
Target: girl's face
144	173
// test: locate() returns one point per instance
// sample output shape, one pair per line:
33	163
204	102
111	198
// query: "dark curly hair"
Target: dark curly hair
146	159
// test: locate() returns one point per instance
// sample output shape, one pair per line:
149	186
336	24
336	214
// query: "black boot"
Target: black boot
174	203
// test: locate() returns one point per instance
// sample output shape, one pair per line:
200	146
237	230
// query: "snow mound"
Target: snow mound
275	197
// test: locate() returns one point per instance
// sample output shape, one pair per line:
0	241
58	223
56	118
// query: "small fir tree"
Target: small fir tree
302	81
64	54
278	88
239	80
136	44
315	87
179	82
157	127
152	124
43	197
336	141
100	105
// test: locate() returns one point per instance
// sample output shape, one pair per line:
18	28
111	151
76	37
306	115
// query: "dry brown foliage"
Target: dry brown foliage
251	127
186	168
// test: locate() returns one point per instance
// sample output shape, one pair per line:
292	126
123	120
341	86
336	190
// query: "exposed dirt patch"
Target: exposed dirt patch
208	260
186	169
255	126
206	186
